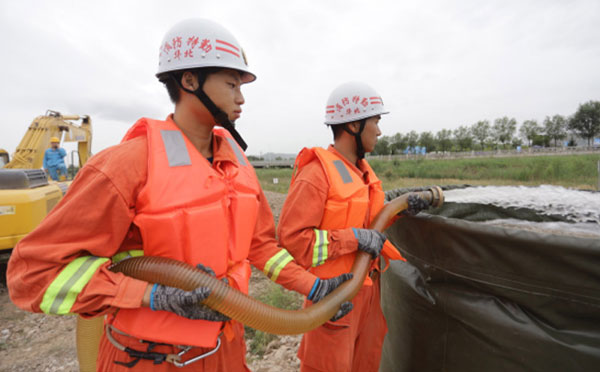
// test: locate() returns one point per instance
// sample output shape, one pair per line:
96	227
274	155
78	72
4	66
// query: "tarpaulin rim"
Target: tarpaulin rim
464	228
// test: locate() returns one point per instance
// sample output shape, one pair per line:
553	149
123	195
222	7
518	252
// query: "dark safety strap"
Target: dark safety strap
360	150
220	116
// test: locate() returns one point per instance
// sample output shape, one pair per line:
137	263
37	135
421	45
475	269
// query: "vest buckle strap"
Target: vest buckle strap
158	358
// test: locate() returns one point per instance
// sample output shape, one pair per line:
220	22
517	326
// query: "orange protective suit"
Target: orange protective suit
328	196
96	221
171	209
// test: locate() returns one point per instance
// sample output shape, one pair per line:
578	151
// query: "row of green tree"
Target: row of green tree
585	122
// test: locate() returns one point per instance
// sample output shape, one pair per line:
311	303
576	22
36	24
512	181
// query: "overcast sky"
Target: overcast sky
437	64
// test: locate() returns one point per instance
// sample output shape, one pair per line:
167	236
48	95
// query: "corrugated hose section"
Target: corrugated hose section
251	312
235	304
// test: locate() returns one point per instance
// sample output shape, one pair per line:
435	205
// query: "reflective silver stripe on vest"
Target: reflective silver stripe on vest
343	171
236	149
175	147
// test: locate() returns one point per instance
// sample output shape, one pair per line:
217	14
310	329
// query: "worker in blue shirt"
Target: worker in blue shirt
54	160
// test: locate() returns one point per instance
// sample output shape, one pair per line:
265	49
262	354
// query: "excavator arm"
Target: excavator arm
26	195
30	152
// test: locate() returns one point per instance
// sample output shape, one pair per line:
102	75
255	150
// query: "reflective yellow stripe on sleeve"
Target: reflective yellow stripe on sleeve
127	254
62	292
320	247
276	263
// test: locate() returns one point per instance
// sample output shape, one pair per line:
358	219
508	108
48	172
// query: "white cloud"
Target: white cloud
437	64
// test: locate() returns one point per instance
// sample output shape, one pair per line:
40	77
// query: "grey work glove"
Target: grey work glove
415	205
370	241
185	303
323	287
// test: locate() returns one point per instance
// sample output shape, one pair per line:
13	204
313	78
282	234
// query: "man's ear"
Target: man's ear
189	80
354	126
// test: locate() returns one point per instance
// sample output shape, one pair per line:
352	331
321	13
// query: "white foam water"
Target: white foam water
580	207
581	230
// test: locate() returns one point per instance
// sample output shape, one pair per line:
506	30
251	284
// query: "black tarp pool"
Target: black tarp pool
477	297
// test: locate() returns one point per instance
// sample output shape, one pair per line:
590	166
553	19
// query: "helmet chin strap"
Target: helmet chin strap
360	150
220	116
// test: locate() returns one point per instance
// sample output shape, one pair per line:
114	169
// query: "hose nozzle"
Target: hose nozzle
435	196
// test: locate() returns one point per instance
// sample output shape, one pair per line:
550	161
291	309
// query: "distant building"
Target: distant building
581	141
277	156
417	150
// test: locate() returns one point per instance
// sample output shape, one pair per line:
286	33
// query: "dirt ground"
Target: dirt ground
44	343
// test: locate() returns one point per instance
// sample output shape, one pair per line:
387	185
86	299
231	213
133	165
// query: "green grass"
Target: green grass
577	171
570	170
278	297
283	176
259	341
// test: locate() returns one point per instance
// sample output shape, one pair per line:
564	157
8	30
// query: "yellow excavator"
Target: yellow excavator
26	194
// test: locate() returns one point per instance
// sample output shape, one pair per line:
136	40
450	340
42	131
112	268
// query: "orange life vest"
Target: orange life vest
191	212
350	199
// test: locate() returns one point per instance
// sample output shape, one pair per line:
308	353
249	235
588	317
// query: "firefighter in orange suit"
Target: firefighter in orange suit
178	188
333	197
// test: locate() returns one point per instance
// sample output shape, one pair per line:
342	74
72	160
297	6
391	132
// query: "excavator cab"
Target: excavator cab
4	158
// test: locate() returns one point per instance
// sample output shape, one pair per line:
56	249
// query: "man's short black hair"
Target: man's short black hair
337	130
171	80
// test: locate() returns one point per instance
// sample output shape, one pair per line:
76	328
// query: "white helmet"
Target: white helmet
351	102
197	43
